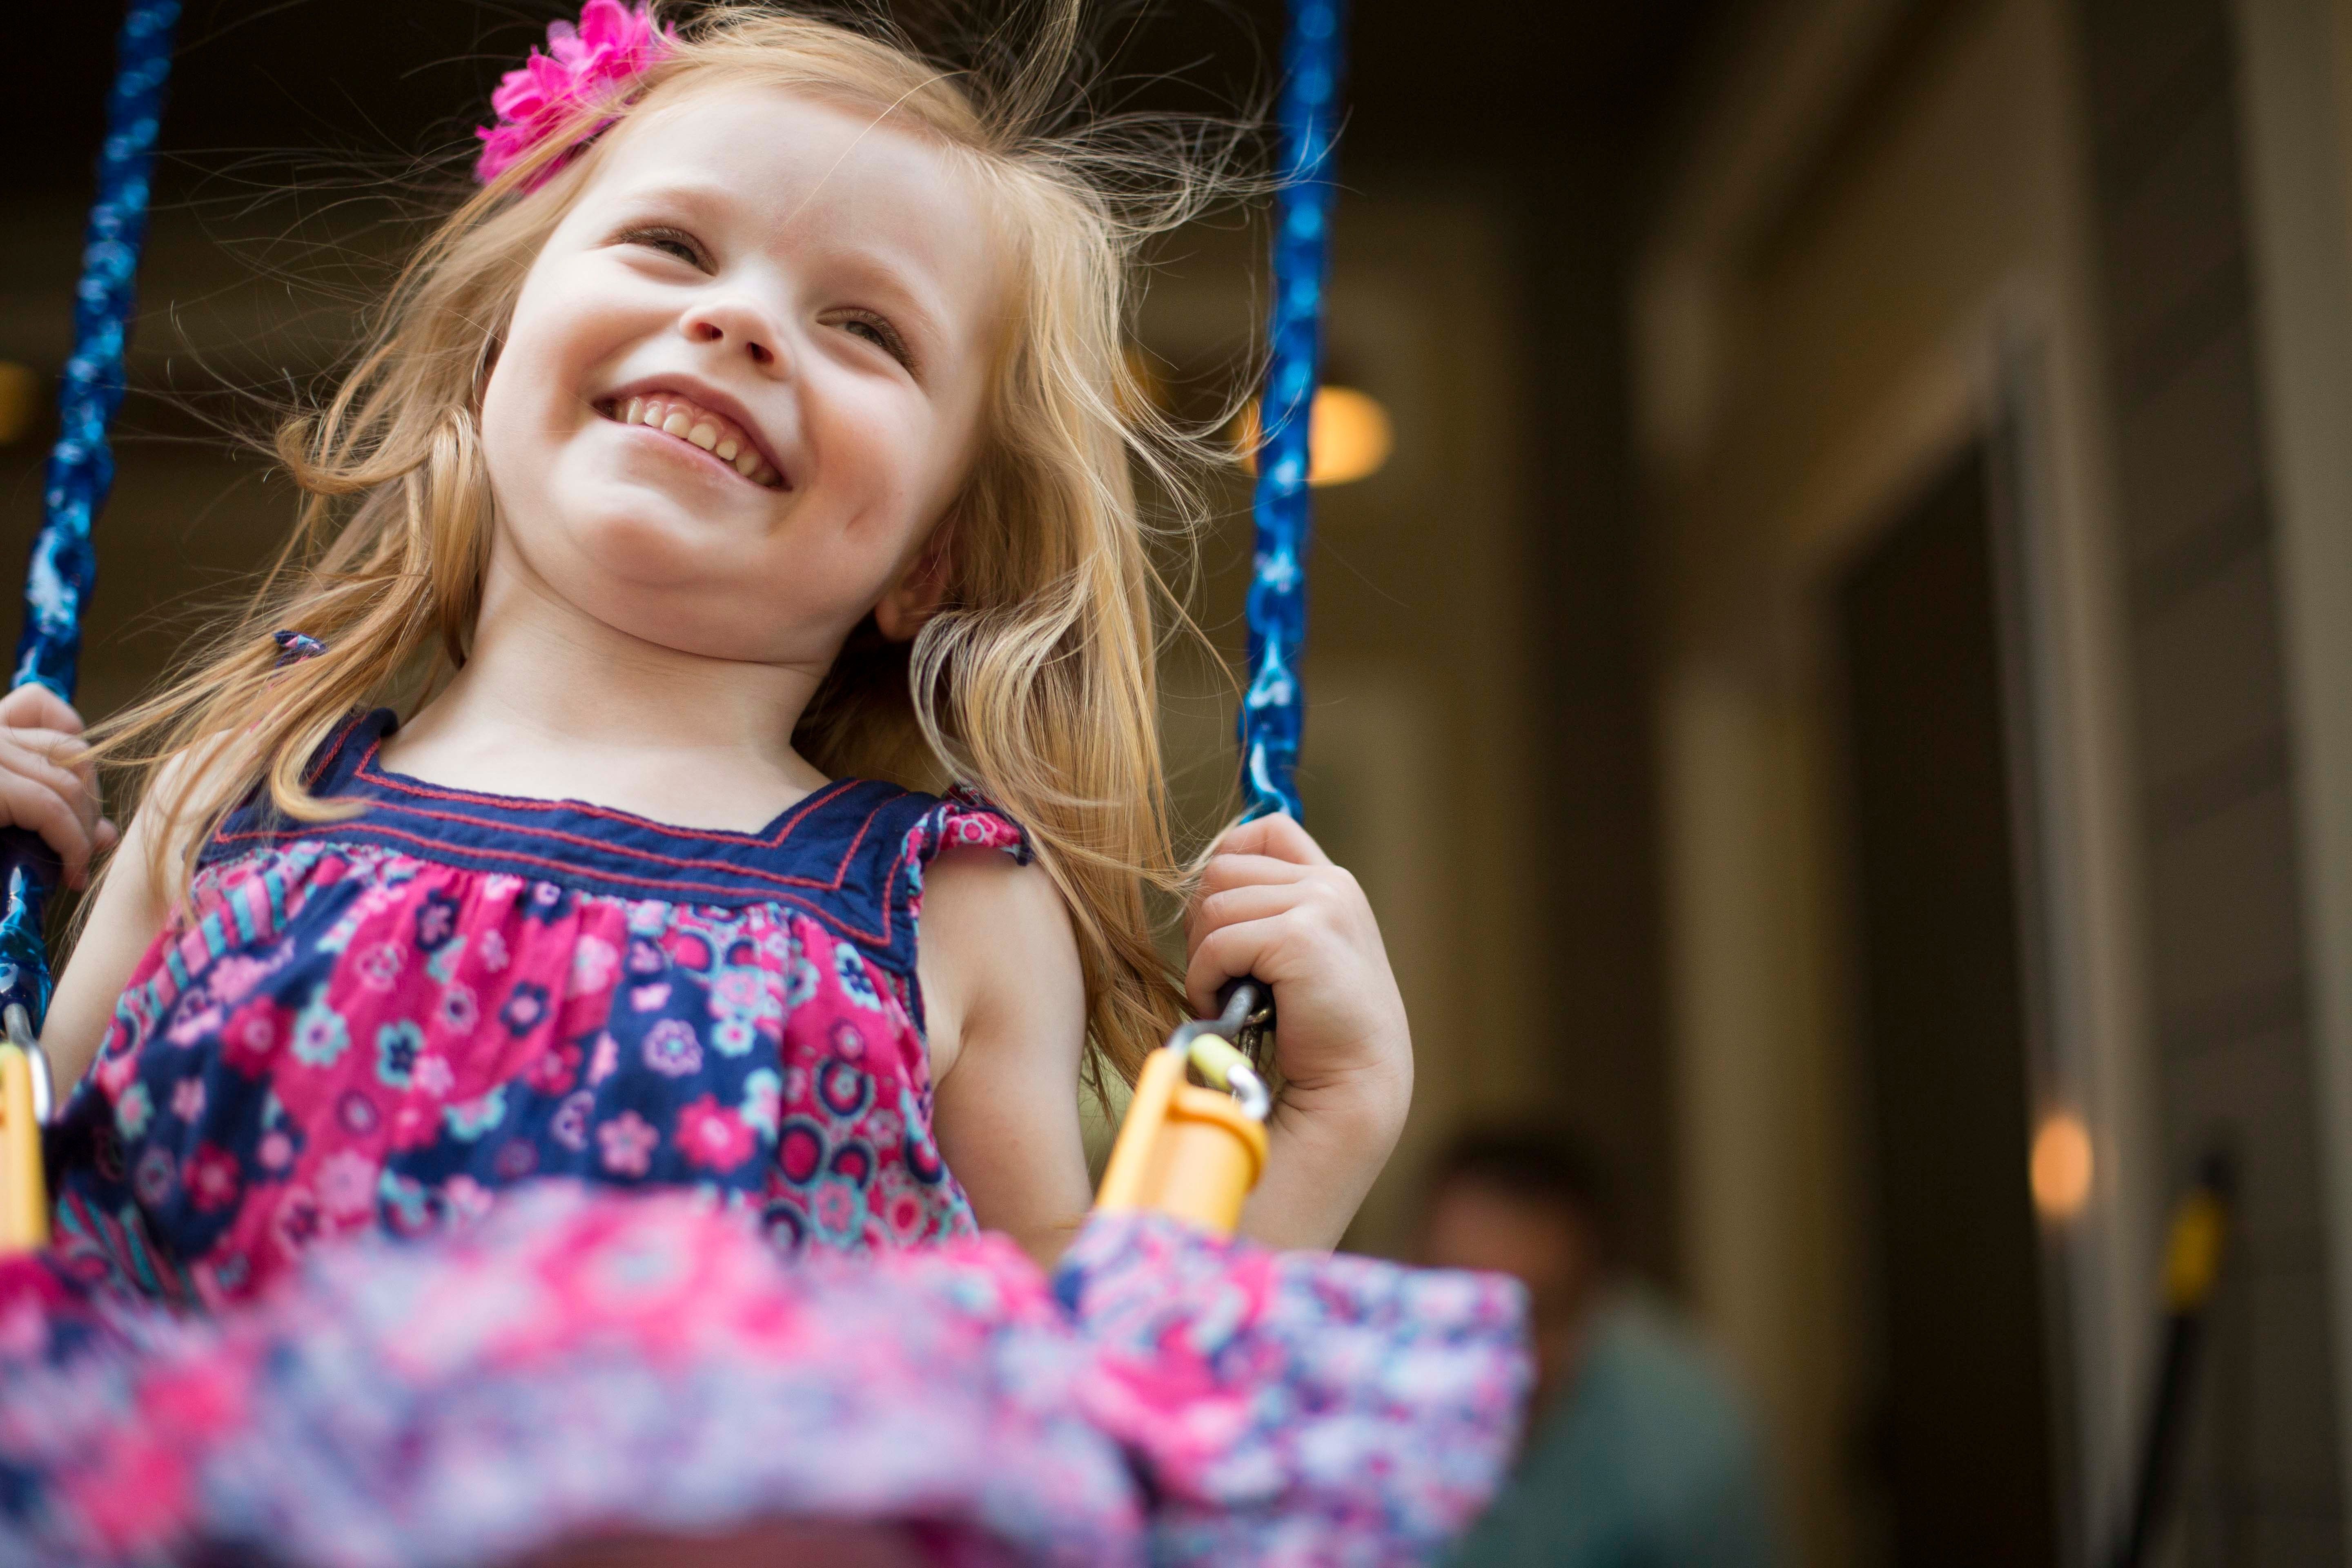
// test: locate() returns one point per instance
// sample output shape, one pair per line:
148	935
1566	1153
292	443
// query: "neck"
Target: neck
548	688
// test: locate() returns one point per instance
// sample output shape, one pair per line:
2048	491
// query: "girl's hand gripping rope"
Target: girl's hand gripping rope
1273	905
49	789
47	782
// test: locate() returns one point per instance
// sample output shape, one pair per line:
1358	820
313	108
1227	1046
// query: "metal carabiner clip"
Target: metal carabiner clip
1189	1151
1218	1048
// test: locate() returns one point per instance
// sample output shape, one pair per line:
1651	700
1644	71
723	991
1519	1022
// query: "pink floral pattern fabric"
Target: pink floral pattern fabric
585	1361
382	1022
1294	1407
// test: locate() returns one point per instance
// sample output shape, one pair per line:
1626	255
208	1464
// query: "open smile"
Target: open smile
679	417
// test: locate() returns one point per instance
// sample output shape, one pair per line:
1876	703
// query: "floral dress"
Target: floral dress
383	1021
474	1173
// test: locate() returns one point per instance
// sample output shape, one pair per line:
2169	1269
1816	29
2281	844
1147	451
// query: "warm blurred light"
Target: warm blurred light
1350	437
2061	1166
20	402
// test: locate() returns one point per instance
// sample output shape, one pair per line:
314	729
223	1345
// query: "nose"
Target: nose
733	323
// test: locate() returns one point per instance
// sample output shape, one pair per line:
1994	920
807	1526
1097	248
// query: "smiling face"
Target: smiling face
744	379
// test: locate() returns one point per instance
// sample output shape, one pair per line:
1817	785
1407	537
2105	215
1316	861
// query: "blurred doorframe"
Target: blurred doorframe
2294	67
1997	384
1761	918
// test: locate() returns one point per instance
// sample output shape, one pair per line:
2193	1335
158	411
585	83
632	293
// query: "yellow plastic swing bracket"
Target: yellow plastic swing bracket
23	1192
1184	1151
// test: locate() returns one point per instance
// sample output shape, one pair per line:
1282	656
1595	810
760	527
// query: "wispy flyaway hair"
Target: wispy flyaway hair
1035	685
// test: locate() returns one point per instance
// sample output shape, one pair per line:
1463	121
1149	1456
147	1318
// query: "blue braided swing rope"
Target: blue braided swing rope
81	465
1271	709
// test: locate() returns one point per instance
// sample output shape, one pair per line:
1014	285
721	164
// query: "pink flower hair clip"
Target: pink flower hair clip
584	67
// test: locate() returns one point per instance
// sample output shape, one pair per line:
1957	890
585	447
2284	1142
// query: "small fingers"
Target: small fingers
1226	954
22	751
1234	905
56	793
58	758
62	747
32	804
1242	888
1331	886
1224	871
1294	942
34	706
1277	836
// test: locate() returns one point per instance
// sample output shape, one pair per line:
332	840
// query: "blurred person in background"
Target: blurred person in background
1637	1449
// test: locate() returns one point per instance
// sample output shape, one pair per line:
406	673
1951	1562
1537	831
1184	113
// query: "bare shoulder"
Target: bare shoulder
997	952
186	776
128	908
968	878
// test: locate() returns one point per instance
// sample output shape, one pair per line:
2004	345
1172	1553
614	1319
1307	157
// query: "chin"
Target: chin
654	548
648	517
658	575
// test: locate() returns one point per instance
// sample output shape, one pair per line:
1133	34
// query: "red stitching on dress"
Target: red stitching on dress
927	837
789	820
840	874
367	829
327	753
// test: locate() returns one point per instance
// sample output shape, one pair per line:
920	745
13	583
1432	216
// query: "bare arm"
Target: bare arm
1005	1007
129	912
1006	1004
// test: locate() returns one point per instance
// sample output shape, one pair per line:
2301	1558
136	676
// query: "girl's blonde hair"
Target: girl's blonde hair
1035	683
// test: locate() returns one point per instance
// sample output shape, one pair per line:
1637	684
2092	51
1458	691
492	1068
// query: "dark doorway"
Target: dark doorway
1963	1432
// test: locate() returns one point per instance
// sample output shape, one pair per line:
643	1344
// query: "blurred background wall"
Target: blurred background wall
1992	816
1840	696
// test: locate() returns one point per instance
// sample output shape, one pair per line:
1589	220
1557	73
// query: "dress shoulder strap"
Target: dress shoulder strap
329	772
883	873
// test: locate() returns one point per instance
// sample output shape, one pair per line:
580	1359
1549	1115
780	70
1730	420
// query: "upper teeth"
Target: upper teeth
714	433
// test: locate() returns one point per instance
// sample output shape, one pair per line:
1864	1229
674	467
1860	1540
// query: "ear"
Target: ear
919	591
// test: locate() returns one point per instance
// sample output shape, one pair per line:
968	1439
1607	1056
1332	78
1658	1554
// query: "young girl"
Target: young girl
750	450
753	449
